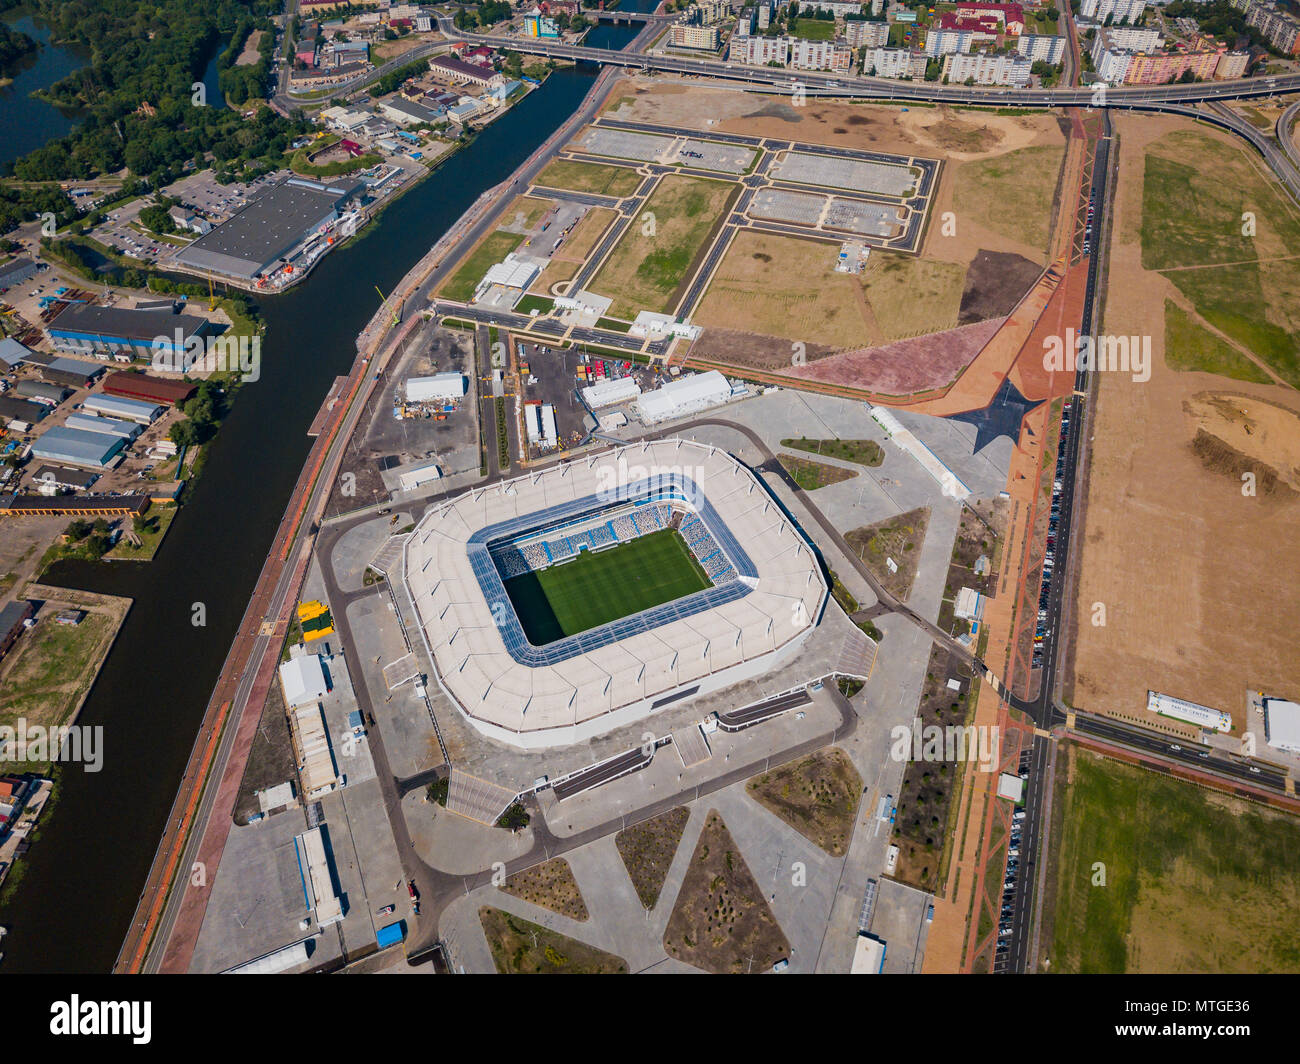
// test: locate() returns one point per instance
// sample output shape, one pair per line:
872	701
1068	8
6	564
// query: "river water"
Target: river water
27	123
84	874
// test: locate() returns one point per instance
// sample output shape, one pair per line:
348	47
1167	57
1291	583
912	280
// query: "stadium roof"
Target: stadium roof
269	227
587	683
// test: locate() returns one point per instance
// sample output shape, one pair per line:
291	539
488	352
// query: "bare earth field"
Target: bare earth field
1185	563
565	263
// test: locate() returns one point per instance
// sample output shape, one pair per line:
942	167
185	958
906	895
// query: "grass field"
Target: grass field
596	588
550	885
156	526
864	452
1194	881
521	947
721	921
599	178
647	850
817	795
1025	177
911	296
1189	346
50	668
651	263
1199	200
491	249
811	475
526	211
785	286
812	29
898	538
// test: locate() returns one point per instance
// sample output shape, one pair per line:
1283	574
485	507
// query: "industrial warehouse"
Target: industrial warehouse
733	623
123	335
282	225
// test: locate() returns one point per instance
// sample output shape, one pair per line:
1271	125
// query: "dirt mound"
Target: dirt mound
751	350
1219	457
995	282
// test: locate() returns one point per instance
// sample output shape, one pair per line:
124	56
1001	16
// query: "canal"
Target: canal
83	875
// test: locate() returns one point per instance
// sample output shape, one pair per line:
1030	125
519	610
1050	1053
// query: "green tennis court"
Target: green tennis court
595	589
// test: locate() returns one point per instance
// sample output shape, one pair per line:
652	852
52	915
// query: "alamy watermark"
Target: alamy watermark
953	742
1111	354
62	744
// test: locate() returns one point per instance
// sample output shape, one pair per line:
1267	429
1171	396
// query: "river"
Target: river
84	874
26	122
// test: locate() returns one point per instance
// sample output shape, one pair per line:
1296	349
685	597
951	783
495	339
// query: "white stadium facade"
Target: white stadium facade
767	595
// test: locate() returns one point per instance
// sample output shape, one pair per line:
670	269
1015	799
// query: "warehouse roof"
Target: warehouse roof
78	446
137	326
268	227
16	266
303	679
142	386
12	352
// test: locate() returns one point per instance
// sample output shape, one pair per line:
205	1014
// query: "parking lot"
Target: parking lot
779	205
852	175
858	216
622	144
710	155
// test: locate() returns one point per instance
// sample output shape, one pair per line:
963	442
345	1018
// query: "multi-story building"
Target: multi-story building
540	26
986	68
838	8
821	55
1113	66
764	14
1232	65
895	63
745	22
1041	47
704	38
712	11
877	6
759	51
862	34
1134	38
1278	28
1164	67
1116	10
946	42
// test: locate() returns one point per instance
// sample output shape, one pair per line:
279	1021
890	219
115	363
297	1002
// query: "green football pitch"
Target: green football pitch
596	588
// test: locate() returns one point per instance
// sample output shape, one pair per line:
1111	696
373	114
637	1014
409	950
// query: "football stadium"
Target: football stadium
575	599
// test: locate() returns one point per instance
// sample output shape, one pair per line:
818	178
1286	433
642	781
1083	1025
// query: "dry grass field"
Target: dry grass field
721	922
599	178
550	885
651	264
520	947
786	287
647	850
817	795
1185	564
1012	195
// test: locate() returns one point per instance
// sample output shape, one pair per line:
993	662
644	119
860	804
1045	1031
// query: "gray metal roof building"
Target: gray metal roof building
86	328
12	352
76	479
16	271
73	372
269	228
22	409
41	391
77	447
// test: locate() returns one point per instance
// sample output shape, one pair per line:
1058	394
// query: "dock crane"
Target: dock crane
397	310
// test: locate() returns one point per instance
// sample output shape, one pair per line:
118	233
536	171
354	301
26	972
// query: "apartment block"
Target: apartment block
1039	47
895	63
987	69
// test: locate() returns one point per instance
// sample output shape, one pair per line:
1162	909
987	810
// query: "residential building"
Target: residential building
1116	10
1164	67
540	26
1232	65
1112	66
1281	30
1129	38
987	69
703	38
895	63
1041	47
946	42
821	55
759	51
711	11
860	33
